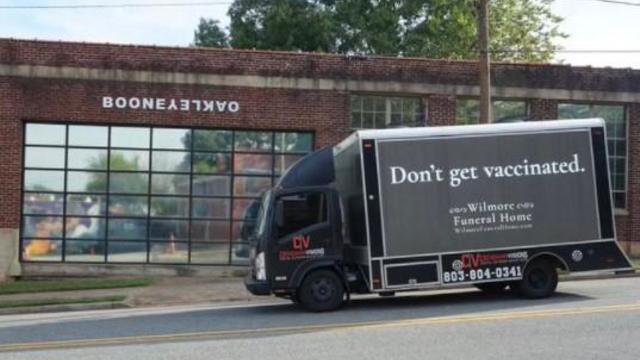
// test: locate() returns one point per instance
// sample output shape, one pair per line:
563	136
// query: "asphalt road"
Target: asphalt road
596	319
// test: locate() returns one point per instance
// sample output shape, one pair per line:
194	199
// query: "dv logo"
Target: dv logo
301	242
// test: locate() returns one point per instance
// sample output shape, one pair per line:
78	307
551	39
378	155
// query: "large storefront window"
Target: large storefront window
468	111
377	112
615	119
121	194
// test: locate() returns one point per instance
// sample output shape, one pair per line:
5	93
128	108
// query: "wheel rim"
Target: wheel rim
323	290
538	278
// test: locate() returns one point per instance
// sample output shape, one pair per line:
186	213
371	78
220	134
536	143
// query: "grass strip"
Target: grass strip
32	286
43	302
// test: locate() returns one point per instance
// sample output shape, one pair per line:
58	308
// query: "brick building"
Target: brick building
144	157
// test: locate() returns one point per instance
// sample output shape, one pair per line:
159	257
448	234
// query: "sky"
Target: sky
591	25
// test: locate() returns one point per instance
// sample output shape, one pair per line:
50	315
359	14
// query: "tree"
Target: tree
209	34
521	30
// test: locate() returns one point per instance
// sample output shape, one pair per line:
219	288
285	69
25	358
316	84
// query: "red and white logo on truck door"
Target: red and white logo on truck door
301	242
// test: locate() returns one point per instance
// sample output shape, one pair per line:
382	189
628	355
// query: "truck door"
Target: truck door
303	233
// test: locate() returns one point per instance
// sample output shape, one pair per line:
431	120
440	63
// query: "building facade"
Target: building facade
136	157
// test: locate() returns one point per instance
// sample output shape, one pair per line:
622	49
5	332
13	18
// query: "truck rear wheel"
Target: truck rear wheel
539	280
321	290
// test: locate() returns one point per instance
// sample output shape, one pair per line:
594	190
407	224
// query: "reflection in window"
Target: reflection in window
129	160
301	211
368	112
171	138
88	135
468	111
253	141
44	157
102	194
87	159
211	163
130	137
81	181
616	124
45	134
42	180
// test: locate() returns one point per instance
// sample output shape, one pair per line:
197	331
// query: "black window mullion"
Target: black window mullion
64	192
190	209
107	196
149	194
232	201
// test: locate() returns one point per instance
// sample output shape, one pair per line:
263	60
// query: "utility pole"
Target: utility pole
485	67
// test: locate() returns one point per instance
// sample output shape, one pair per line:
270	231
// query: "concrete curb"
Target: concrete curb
64	307
617	274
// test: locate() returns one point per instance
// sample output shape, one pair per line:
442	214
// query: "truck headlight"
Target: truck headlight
261	271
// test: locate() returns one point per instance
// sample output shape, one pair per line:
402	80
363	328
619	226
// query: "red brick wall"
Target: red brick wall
324	113
543	109
441	110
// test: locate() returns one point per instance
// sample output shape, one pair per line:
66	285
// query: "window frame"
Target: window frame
422	103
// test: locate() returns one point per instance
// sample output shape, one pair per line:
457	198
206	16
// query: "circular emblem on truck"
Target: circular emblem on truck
577	255
456	265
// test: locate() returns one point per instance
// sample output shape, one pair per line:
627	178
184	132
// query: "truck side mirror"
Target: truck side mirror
279	214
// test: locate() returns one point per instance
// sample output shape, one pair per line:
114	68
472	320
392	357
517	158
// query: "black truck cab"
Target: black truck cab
297	243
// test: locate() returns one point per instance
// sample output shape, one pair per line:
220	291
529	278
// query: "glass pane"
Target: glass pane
356	120
211	253
573	111
44	204
250	186
169	252
171	138
84	251
171	161
210	231
170	184
509	110
242	230
245	209
91	159
367	120
210	208
212	140
293	142
129	183
169	230
283	162
45	134
169	207
44	157
379	121
128	252
42	180
211	185
86	205
240	253
41	250
127	229
82	181
252	164
129	160
85	228
133	137
619	200
253	141
43	227
85	135
120	205
467	111
212	163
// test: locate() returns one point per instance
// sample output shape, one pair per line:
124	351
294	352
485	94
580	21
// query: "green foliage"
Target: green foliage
44	302
522	30
210	34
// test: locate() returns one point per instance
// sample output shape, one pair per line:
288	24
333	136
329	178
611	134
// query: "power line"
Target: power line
104	6
619	2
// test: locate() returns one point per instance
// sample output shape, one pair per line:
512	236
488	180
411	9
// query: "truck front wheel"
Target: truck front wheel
321	290
539	280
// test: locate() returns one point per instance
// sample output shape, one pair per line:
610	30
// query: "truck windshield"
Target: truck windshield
261	219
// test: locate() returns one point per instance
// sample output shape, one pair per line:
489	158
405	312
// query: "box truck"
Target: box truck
497	206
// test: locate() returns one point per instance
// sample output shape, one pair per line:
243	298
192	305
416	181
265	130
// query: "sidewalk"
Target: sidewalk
169	291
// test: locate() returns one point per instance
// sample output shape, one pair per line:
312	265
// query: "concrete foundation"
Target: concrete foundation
9	254
632	248
83	270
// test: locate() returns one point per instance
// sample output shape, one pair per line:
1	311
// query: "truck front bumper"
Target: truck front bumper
257	287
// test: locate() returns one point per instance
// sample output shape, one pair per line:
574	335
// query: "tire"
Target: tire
321	290
492	288
539	280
